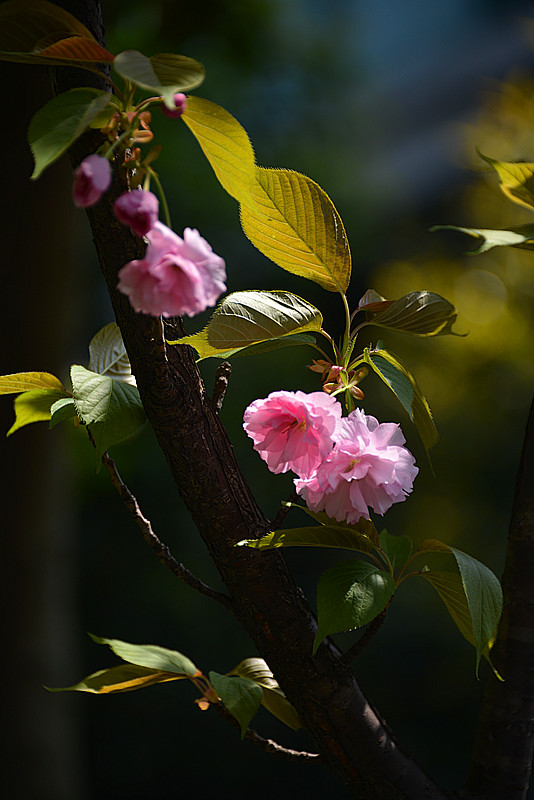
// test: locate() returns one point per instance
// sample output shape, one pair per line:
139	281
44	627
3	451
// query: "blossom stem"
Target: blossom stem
166	213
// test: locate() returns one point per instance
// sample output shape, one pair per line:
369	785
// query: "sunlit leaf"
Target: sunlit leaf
60	122
111	408
313	536
225	144
419	313
24	381
34	406
246	318
35	31
517	180
405	388
294	223
164	74
521	236
241	697
267	346
274	700
397	548
151	655
108	356
124	678
61	410
350	594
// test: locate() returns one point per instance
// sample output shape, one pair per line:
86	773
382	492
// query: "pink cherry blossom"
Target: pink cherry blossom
138	209
368	468
91	178
176	276
180	103
293	430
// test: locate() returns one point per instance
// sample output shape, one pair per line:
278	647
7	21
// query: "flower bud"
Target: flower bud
91	179
138	209
180	103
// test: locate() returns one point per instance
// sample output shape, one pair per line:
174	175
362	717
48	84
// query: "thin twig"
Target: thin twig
278	521
354	651
224	370
268	745
161	550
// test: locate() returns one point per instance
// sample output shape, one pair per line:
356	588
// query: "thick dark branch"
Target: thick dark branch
372	629
161	550
502	756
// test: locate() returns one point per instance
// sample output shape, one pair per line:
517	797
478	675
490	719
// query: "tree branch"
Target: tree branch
502	755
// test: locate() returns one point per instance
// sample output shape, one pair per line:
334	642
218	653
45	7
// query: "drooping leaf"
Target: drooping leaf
405	388
151	655
25	381
397	548
274	700
484	598
34	406
258	349
521	236
294	223
35	31
108	356
517	180
164	74
433	546
61	410
241	697
246	318
419	313
313	536
225	144
350	594
60	122
124	678
111	408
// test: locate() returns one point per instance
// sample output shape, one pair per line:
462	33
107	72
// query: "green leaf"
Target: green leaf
350	594
314	536
240	696
418	313
246	318
60	122
24	381
364	526
61	410
225	144
405	388
151	655
258	349
517	180
108	356
124	678
111	408
397	548
274	700
293	222
484	599
521	236
35	31
165	73
34	406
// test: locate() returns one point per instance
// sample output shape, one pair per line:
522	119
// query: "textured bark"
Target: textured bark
502	756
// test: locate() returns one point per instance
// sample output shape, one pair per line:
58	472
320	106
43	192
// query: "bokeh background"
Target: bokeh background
382	103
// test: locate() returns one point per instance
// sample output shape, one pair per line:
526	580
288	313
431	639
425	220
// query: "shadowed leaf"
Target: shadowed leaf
521	236
274	700
165	73
34	406
241	697
330	535
418	313
124	678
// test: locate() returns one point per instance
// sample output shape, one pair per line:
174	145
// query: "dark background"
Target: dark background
382	103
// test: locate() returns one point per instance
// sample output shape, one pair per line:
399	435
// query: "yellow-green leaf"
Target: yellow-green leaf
404	386
124	678
274	700
24	381
313	536
34	406
517	180
294	223
521	236
225	144
245	318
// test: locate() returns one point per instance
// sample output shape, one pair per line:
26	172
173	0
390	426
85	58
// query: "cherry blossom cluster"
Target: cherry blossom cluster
177	275
345	465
